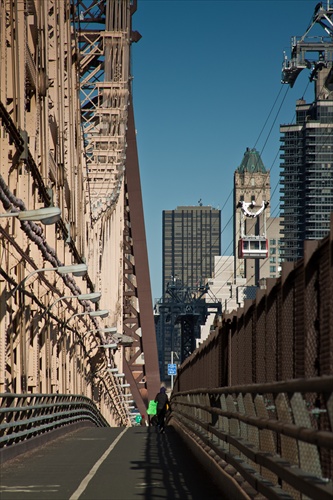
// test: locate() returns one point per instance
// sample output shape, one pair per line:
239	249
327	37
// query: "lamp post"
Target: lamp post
102	313
76	269
172	365
94	297
111	347
46	215
110	329
124	340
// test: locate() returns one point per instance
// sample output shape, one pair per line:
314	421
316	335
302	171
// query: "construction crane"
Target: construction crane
303	48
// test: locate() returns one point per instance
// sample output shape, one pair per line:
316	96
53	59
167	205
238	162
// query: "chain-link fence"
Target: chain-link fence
284	334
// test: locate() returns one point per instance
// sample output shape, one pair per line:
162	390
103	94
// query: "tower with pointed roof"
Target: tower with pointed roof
251	183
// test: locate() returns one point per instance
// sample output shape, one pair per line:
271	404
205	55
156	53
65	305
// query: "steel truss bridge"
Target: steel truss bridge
67	137
77	337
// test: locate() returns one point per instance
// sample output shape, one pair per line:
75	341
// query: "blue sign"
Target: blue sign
172	369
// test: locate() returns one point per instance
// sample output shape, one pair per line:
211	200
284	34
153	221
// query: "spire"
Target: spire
251	162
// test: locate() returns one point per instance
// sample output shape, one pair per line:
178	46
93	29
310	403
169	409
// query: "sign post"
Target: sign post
172	369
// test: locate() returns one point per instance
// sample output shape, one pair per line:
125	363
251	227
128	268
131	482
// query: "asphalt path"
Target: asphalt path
108	463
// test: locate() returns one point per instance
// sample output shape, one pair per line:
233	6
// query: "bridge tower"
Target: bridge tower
114	199
183	310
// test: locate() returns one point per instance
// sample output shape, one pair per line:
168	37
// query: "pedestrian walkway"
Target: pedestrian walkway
108	463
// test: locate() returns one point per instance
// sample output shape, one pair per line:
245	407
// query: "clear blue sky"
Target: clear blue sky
206	77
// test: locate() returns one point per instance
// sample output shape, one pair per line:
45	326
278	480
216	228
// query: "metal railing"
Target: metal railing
269	439
285	333
24	416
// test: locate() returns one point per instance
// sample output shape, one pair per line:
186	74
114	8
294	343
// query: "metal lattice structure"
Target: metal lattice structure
104	93
113	172
184	310
65	131
311	52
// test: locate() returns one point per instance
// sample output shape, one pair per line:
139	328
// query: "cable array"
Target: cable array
277	209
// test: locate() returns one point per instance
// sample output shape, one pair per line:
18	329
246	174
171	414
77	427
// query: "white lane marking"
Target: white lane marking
90	439
30	488
90	475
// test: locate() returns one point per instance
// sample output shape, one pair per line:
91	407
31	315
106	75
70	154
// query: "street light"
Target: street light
109	346
94	297
102	313
46	215
103	330
76	269
120	375
124	340
108	329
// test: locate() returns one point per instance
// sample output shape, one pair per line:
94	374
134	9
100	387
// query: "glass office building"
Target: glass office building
306	176
191	239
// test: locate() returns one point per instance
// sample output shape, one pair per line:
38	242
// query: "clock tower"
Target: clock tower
251	184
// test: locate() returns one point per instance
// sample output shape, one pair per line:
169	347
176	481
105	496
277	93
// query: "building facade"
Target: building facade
307	170
251	184
191	239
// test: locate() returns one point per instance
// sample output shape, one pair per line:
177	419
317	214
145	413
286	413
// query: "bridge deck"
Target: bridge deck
108	463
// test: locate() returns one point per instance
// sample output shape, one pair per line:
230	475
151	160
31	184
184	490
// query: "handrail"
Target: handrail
23	416
276	438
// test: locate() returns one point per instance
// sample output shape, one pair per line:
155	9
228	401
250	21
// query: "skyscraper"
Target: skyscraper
307	170
307	145
191	239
